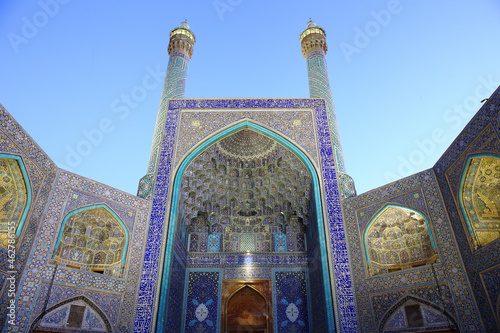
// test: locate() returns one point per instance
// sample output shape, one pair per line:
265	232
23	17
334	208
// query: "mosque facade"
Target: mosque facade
247	221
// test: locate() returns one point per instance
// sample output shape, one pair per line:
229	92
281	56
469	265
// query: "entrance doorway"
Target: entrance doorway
247	306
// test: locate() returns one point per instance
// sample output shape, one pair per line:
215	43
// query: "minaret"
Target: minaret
180	50
313	42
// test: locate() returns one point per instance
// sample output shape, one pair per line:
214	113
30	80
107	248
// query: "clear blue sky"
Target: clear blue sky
406	75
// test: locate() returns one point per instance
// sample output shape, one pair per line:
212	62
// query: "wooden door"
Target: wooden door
246	306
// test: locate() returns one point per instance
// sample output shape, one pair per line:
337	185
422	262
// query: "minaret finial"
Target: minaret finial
184	24
311	23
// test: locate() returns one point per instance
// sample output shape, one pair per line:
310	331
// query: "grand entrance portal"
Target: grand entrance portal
247	214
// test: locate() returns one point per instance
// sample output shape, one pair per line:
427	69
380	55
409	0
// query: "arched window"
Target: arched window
480	198
411	314
15	198
398	238
93	239
75	313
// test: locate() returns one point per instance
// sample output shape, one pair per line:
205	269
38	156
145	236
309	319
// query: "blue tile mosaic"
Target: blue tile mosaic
202	310
291	306
345	301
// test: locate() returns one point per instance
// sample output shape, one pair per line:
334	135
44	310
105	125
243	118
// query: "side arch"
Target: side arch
82	298
478	196
367	233
452	322
86	208
246	124
25	179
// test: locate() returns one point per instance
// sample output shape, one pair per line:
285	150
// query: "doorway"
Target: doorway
247	306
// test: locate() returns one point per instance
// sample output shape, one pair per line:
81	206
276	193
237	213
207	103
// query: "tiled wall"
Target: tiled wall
443	284
480	136
55	194
41	172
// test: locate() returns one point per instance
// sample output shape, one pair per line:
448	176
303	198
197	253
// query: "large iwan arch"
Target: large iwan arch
317	203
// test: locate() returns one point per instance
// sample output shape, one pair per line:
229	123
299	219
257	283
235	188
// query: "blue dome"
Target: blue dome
184	25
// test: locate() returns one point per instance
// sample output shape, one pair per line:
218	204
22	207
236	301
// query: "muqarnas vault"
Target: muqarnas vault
246	221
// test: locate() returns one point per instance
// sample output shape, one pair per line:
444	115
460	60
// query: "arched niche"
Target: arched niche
396	238
412	314
15	198
74	313
316	206
247	311
244	190
94	239
479	196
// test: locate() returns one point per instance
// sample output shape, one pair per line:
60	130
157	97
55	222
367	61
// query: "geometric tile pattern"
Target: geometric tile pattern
291	310
202	302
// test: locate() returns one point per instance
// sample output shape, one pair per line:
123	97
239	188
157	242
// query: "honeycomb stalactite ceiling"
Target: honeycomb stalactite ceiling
398	238
243	192
93	240
246	145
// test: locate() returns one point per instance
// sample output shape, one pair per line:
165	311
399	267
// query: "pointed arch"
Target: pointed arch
62	304
479	195
399	304
316	189
252	304
407	234
96	240
15	196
